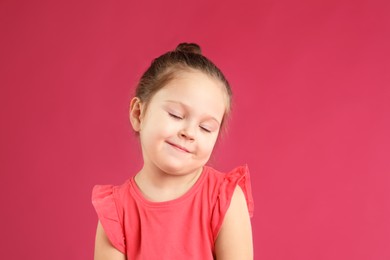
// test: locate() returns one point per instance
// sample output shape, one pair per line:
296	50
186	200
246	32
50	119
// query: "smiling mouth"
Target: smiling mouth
180	148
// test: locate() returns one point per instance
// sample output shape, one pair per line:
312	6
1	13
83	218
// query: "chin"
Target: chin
178	170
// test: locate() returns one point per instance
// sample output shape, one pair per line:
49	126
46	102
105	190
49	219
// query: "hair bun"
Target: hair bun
189	48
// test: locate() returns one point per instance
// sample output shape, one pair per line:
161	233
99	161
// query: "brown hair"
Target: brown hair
163	69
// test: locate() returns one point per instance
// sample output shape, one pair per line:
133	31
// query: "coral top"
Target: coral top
183	228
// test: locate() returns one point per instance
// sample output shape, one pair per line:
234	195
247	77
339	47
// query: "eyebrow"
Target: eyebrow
188	107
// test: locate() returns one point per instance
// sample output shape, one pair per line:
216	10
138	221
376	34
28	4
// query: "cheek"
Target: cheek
209	143
159	127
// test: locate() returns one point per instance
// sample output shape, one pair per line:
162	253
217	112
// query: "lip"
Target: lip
179	147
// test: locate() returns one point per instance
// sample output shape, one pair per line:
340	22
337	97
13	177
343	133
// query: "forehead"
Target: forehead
196	90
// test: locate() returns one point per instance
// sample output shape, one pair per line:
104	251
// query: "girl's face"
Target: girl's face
181	124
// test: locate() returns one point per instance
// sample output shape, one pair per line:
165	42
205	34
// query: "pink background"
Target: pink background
311	117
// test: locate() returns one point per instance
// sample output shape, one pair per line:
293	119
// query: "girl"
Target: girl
176	207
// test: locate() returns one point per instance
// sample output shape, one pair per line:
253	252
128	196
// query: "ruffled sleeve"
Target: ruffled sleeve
109	214
239	176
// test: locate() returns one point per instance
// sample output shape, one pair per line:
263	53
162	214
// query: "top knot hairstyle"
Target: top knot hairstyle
186	57
189	47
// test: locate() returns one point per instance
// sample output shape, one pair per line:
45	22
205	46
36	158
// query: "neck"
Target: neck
159	186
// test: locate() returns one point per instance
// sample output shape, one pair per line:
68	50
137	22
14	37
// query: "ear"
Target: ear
135	113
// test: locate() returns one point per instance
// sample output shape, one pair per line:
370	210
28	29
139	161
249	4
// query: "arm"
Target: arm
234	241
103	248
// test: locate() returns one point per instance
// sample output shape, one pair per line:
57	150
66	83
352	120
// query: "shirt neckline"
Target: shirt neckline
134	189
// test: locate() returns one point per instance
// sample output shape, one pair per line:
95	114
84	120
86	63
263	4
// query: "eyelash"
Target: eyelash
175	116
205	129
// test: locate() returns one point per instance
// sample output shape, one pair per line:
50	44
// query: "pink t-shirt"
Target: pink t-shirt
183	228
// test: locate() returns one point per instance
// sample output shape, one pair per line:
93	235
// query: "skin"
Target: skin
178	130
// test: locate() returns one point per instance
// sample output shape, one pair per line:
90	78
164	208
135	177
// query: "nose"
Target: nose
188	133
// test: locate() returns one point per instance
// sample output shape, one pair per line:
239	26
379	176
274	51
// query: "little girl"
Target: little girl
176	207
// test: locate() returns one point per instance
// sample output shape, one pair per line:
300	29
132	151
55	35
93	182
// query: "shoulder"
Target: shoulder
108	190
225	185
213	176
229	193
235	175
108	201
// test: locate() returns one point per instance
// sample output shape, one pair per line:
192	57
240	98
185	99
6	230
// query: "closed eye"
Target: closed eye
175	116
205	129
